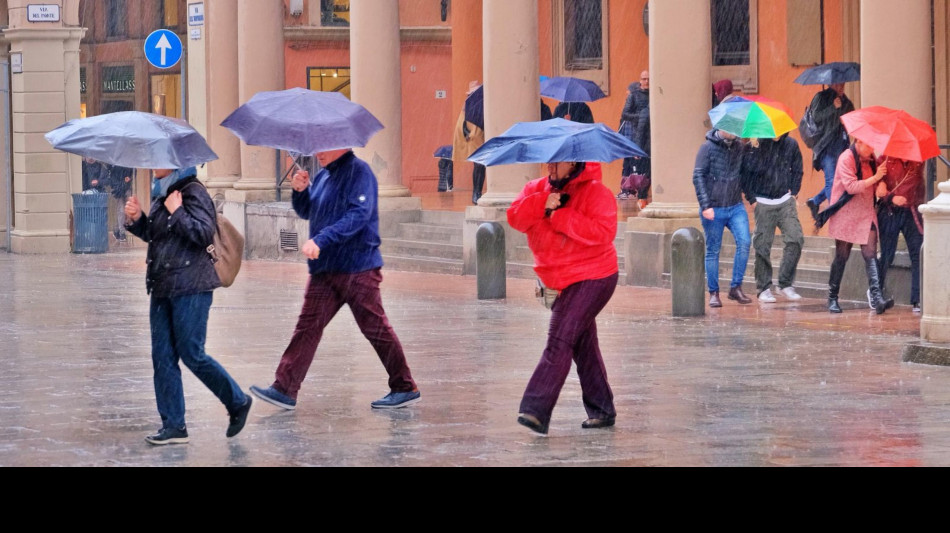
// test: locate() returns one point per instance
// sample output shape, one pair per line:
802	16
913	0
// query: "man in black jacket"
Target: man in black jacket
636	115
772	177
717	179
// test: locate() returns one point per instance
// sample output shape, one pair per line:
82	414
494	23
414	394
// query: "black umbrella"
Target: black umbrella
830	74
475	107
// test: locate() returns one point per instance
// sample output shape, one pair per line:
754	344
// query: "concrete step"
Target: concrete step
428	249
418	231
432	265
443	218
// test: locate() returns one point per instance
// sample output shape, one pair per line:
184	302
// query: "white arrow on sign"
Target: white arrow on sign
164	46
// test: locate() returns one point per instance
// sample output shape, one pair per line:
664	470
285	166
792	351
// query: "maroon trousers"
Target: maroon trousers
325	295
572	335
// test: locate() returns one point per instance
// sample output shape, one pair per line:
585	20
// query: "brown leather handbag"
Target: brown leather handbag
227	250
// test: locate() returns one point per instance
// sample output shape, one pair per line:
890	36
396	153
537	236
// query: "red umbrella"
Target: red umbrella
892	132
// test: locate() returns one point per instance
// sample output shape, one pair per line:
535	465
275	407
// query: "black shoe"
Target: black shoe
813	207
531	422
714	300
168	436
238	418
833	306
597	423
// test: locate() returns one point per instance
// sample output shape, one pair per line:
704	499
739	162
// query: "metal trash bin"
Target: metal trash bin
91	222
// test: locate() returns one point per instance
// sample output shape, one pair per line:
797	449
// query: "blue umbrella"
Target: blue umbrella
443	152
302	121
830	74
568	89
133	139
475	107
555	140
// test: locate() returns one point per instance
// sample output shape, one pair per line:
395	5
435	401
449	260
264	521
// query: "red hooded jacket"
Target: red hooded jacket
575	243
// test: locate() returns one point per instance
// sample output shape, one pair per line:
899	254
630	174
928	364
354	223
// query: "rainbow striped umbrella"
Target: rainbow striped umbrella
752	117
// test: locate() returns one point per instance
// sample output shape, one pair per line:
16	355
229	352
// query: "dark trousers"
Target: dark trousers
894	221
572	336
179	327
325	295
785	218
478	182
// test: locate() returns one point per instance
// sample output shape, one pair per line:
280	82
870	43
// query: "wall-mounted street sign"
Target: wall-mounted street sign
42	12
196	14
163	48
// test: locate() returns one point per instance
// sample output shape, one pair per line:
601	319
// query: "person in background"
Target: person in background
180	278
570	219
772	178
575	111
468	138
900	194
635	119
717	178
95	175
828	106
720	90
120	187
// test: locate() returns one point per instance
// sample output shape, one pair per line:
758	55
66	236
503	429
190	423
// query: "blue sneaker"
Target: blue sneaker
397	400
274	397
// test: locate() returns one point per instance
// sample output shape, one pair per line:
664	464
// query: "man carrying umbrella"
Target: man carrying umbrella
345	262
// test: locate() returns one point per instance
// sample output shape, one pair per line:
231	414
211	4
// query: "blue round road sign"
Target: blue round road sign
163	48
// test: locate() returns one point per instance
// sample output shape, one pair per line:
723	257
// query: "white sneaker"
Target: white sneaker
766	297
790	294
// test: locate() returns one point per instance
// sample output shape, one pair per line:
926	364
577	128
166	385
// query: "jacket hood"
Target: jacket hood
592	171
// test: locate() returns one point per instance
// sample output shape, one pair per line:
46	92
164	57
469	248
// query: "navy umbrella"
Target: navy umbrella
568	89
830	74
555	140
302	121
475	107
133	139
443	152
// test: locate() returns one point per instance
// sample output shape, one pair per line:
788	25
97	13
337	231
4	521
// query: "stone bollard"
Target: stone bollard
935	254
490	266
688	273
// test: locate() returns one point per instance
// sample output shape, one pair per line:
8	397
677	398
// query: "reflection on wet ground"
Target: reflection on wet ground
784	385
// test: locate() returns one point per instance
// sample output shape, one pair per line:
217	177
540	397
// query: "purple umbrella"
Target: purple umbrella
475	107
302	121
568	89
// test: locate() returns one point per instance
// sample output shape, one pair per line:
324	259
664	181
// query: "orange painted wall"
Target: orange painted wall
299	55
466	18
427	122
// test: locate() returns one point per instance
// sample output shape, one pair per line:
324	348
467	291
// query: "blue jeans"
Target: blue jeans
829	163
737	220
179	327
892	222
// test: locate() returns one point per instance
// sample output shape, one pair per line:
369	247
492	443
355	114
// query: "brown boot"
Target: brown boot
714	300
736	294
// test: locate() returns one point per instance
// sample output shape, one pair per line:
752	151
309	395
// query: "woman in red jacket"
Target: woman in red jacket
570	219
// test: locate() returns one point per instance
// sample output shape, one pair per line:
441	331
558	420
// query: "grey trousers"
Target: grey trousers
785	218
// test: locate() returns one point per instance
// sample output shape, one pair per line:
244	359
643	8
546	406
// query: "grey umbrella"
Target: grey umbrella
302	121
133	139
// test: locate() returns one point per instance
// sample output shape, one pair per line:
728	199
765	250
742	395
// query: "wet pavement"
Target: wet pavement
783	385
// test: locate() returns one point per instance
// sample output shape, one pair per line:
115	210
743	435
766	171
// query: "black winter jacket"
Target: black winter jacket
636	111
717	176
834	138
772	170
178	260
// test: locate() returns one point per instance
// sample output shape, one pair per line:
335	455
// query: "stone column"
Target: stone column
680	63
6	152
260	46
896	58
510	66
220	96
935	323
44	95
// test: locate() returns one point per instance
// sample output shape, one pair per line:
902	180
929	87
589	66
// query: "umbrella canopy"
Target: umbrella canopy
568	89
892	132
830	74
133	139
752	117
443	152
555	140
302	121
475	107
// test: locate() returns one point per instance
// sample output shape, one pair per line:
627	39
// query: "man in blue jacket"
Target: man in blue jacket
344	260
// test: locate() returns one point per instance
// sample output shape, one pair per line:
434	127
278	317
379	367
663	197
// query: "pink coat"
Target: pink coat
853	222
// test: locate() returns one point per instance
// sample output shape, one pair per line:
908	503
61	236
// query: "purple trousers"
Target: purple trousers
326	294
572	336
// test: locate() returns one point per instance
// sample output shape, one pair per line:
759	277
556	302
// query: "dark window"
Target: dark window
583	33
335	12
116	18
730	32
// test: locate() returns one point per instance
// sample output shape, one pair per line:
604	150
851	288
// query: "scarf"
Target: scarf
160	186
